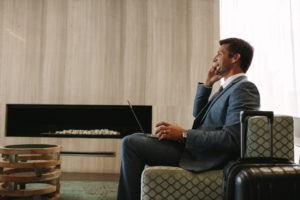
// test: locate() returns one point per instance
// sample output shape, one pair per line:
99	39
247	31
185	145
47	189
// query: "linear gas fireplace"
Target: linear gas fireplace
91	121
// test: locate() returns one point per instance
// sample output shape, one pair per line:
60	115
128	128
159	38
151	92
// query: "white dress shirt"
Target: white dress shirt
224	84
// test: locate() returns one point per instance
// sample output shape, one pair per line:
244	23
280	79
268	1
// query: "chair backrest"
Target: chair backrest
258	137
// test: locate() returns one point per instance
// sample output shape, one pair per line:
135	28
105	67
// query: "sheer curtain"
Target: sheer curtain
273	28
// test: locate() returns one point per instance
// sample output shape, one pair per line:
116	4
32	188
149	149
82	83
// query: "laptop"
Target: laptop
138	122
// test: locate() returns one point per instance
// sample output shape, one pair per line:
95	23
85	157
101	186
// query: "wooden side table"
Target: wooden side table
32	164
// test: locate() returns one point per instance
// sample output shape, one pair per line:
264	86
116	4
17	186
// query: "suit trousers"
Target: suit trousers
137	150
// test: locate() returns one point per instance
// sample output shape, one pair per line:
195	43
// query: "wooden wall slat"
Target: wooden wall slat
152	52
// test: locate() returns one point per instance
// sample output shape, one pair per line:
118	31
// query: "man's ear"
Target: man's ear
236	57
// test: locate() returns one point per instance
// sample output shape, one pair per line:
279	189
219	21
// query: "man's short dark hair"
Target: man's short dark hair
241	47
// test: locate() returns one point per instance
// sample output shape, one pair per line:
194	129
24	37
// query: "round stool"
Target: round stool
30	170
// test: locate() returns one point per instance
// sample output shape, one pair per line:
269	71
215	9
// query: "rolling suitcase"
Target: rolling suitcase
260	178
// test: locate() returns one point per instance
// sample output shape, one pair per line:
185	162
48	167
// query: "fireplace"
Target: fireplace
87	121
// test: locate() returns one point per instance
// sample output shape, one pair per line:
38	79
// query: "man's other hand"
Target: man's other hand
169	131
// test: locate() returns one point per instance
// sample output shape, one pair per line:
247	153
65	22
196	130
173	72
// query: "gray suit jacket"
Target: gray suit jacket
215	136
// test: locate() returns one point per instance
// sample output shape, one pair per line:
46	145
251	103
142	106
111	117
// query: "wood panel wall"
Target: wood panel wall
152	52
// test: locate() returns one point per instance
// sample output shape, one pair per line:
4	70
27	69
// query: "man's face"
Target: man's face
223	61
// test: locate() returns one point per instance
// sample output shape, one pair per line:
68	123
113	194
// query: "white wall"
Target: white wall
152	52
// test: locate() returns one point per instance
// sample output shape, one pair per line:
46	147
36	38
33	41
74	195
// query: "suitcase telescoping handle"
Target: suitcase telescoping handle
244	116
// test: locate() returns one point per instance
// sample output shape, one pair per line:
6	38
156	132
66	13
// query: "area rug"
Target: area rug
79	190
82	190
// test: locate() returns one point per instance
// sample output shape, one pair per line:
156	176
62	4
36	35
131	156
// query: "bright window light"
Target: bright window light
273	28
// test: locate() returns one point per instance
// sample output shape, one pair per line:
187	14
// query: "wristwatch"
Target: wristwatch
184	134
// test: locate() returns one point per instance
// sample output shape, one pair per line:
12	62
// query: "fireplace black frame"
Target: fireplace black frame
38	120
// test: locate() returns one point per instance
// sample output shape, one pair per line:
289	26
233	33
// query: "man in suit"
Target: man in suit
214	137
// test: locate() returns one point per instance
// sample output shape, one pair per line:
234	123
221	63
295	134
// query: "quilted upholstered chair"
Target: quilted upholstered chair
176	183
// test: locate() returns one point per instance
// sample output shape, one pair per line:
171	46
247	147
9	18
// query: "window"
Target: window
273	28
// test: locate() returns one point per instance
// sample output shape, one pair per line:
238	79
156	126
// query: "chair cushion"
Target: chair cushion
177	183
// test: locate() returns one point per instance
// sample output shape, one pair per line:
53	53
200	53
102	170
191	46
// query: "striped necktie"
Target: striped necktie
199	117
220	89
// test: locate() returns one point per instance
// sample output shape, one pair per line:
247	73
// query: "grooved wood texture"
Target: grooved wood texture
152	52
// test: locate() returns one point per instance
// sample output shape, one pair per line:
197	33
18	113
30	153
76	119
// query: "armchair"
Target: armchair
176	183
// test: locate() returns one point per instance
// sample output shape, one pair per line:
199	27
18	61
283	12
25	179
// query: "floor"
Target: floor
67	176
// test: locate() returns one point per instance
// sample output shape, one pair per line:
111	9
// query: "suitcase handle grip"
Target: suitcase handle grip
251	113
244	116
